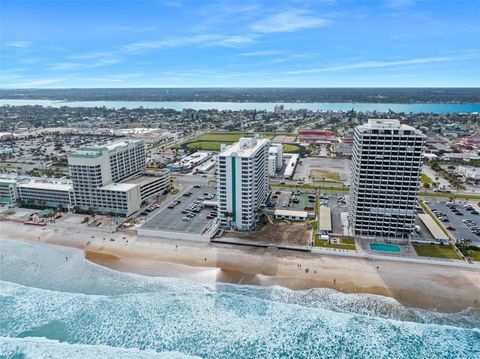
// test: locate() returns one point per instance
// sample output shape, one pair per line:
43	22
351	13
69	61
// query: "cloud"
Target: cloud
18	44
33	83
203	40
66	66
94	55
289	21
372	64
260	53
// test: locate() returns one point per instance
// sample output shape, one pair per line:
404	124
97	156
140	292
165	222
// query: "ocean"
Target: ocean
54	308
437	108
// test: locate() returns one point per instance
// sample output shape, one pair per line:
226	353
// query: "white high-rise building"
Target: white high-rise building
95	172
275	158
243	184
387	160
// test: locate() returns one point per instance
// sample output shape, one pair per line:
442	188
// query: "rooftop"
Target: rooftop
121	187
386	124
143	180
432	226
245	147
110	146
287	212
325	219
383	123
50	185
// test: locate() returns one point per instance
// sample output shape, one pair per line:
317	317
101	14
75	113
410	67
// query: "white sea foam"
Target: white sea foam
101	307
45	348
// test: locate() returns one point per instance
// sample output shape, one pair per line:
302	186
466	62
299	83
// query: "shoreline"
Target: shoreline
419	285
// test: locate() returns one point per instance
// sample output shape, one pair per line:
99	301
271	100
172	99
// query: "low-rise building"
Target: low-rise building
469	173
463	156
45	193
8	191
189	162
290	215
5	136
314	135
292	160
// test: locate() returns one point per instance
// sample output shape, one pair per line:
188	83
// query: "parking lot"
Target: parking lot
296	200
171	219
456	221
290	197
336	165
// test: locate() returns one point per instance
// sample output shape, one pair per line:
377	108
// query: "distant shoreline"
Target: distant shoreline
415	108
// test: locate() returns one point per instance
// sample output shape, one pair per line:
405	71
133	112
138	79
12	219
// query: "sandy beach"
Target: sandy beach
427	286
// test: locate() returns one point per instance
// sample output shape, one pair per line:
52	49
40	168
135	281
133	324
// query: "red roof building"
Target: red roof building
311	136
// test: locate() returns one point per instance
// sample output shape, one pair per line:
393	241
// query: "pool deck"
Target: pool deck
381	247
406	249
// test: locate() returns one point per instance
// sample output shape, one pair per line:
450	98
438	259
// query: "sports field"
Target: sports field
212	141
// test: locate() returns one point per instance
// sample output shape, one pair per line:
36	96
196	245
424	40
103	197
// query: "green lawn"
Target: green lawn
347	240
327	176
212	141
7	165
425	179
206	146
327	188
323	243
290	148
476	256
435	250
471	250
227	137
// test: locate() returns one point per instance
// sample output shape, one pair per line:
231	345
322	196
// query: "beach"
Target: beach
427	286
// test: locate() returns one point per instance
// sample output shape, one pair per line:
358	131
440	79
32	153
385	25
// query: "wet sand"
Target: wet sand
428	286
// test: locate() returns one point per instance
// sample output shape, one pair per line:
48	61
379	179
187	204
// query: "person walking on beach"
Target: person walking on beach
334	281
66	258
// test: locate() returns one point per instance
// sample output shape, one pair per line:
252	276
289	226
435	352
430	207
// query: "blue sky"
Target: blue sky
293	43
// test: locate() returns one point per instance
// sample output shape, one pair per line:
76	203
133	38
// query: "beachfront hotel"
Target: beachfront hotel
106	179
242	182
386	165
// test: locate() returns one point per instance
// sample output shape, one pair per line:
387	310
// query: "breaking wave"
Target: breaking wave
53	308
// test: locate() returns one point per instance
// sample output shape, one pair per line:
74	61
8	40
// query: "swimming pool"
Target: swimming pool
385	247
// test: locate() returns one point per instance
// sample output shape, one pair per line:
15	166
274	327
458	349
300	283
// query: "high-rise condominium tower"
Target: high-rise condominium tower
242	182
387	160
